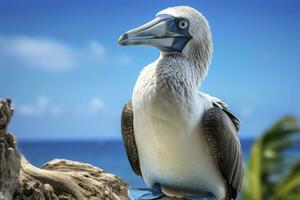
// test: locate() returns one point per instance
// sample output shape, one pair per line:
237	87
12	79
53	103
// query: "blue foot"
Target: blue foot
144	193
204	197
155	193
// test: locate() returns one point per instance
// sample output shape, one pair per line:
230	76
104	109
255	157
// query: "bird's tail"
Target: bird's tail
231	193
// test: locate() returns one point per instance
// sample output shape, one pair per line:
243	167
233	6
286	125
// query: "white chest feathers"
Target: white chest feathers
168	133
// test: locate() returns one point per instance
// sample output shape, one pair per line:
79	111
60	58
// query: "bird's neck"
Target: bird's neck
179	67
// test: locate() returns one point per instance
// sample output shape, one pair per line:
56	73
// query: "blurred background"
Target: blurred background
68	78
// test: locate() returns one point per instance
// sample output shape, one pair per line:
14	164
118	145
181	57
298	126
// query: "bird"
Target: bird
175	135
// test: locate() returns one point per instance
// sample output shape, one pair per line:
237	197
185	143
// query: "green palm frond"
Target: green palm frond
290	185
268	164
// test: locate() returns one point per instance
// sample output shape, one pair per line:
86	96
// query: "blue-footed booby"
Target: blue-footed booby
175	136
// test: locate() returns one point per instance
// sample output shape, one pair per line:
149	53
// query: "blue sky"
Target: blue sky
68	78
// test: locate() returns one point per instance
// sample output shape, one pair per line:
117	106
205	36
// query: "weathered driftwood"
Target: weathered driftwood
57	180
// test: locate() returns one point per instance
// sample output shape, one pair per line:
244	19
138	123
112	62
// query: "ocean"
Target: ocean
107	155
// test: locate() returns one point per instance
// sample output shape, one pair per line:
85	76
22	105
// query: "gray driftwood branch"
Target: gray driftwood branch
57	180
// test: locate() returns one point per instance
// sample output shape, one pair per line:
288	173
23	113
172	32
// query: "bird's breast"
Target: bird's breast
167	128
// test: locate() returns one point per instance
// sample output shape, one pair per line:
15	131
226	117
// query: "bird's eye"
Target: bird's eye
182	24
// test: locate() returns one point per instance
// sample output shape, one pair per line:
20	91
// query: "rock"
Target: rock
57	180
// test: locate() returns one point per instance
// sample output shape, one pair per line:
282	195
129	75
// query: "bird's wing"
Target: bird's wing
222	105
128	138
220	129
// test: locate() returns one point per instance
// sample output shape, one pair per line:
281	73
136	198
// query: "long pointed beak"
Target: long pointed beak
153	33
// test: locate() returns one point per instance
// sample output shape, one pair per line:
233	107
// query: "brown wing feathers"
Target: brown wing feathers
128	138
225	147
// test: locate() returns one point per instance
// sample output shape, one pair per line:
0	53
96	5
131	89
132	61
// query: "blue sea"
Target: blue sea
108	155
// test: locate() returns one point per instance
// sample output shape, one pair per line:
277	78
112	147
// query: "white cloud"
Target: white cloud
53	55
42	105
97	49
101	54
96	105
56	110
247	112
41	53
93	106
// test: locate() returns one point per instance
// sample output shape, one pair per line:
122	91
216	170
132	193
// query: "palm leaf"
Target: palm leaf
267	161
252	183
290	186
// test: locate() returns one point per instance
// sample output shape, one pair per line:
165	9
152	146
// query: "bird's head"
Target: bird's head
181	29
